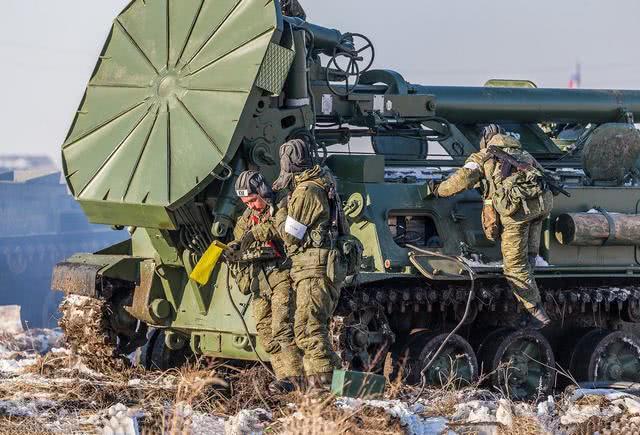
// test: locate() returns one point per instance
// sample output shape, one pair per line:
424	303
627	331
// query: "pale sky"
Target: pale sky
49	48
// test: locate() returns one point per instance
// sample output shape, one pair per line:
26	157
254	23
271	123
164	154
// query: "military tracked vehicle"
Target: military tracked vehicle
187	94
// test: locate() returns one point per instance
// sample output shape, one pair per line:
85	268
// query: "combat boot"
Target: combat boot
320	383
283	386
539	318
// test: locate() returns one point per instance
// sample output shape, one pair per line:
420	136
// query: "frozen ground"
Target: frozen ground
45	389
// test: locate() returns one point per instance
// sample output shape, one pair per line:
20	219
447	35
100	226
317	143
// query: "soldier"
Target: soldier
292	8
266	274
308	235
511	183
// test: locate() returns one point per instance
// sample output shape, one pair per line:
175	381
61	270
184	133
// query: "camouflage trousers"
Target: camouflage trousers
316	299
275	329
520	248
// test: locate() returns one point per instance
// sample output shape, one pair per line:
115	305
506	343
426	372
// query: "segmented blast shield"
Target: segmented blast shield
165	108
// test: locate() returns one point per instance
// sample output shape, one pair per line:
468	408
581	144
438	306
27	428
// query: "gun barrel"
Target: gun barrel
487	104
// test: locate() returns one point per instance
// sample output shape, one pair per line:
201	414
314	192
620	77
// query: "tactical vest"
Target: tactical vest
321	234
262	274
345	251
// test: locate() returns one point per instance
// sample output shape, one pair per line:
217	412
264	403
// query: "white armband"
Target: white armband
295	228
471	165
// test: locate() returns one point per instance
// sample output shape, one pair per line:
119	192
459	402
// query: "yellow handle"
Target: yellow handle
203	270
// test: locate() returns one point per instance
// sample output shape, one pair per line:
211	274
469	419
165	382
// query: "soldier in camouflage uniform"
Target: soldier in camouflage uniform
308	237
257	234
521	231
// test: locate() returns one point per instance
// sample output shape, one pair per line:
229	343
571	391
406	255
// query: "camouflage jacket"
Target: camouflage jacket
266	227
308	233
483	171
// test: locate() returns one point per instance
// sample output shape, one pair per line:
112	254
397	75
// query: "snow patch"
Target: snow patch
10	320
541	262
504	414
617	403
120	420
13	366
204	424
248	422
26	408
476	261
407	414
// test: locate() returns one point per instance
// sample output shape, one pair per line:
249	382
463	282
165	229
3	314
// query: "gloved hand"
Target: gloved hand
234	251
247	240
433	187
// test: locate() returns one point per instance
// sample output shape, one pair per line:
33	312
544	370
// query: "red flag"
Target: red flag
576	78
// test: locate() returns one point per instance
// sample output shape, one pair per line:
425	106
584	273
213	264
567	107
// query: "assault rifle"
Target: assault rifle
509	162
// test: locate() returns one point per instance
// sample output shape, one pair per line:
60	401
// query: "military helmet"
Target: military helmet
253	183
488	133
504	141
295	157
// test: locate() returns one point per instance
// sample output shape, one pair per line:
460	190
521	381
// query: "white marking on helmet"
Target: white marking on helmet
242	193
295	228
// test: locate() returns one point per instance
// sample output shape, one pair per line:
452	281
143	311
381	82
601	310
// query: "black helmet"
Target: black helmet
253	183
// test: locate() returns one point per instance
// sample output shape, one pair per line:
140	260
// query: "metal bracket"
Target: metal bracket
612	225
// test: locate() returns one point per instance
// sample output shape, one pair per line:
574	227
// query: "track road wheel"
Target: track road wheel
155	355
456	363
520	361
602	355
362	339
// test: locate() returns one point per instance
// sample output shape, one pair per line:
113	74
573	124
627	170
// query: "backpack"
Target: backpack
519	182
345	255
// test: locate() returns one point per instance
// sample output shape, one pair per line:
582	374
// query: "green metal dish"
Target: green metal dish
163	108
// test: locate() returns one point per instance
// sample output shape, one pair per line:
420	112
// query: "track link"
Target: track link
585	305
410	305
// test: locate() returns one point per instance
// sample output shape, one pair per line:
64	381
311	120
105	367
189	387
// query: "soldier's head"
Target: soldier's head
295	157
253	191
488	133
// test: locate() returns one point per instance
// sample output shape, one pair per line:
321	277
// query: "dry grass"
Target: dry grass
522	425
9	341
315	416
603	425
21	425
217	389
593	400
249	389
76	389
